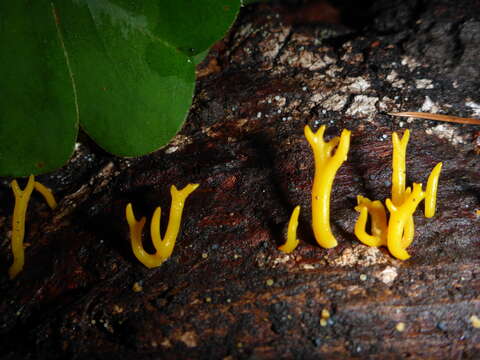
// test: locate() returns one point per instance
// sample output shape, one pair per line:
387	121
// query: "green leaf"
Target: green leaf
194	25
125	69
134	90
197	59
136	93
38	117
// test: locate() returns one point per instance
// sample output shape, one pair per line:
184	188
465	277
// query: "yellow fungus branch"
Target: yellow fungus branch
399	171
164	247
292	241
47	194
18	224
431	191
378	224
399	217
326	166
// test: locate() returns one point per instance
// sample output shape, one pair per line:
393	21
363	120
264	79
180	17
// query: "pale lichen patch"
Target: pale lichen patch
394	80
177	143
446	131
429	106
387	275
360	255
424	84
387	104
335	102
475	108
274	42
363	106
410	62
356	85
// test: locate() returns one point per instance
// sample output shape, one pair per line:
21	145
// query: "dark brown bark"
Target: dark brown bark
243	142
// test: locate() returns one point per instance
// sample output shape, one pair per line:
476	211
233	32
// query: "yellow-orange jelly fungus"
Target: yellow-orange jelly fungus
22	198
164	247
398	234
327	164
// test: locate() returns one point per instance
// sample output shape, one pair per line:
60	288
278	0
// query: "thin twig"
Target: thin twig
429	116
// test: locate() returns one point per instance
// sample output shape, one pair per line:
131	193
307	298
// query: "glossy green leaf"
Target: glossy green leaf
194	25
38	118
134	91
125	69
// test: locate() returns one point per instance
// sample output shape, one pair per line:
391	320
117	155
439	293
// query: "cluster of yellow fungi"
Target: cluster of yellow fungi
22	197
397	233
163	247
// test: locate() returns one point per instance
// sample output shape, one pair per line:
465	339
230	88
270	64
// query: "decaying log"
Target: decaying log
227	292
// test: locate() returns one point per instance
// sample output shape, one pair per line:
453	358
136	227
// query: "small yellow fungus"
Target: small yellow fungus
325	314
399	217
269	282
292	240
137	287
18	224
326	166
431	191
363	277
323	322
475	321
164	247
22	197
378	223
400	327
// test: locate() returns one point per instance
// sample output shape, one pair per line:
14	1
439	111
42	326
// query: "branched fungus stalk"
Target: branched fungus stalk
326	166
22	197
164	247
399	233
292	241
399	219
399	178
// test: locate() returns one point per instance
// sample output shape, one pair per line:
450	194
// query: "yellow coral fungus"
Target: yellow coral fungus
164	247
326	166
378	223
431	191
292	241
399	217
400	230
22	198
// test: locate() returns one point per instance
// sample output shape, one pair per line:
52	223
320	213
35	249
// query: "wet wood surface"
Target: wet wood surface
227	292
